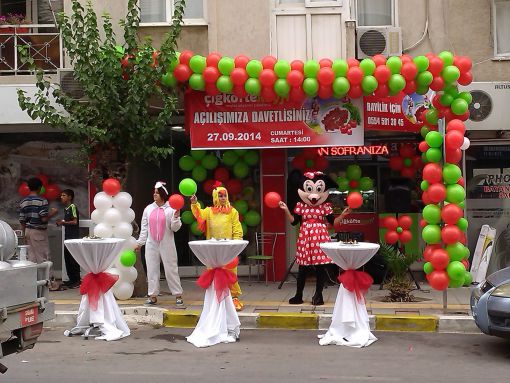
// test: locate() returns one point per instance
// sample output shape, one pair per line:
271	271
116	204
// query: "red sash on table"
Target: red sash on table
96	284
357	282
223	280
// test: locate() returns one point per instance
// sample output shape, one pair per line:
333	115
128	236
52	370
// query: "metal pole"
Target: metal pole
445	300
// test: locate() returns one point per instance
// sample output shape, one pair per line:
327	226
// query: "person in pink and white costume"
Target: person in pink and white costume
159	222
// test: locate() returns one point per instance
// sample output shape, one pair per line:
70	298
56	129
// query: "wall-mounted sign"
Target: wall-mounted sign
354	150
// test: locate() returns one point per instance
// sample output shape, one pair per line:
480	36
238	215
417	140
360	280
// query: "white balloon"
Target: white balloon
123	290
114	271
103	230
130	244
97	216
466	144
128	215
123	230
102	201
122	201
112	216
128	274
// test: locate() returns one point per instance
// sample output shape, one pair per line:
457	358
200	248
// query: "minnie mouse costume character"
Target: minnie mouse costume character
314	213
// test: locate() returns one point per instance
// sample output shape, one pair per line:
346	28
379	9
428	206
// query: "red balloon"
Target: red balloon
453	156
438	280
423	223
354	75
272	199
450	234
391	223
325	91
211	89
268	94
461	181
176	201
382	73
405	236
456	124
52	192
321	163
268	62
239	91
234	186
326	63
465	78
238	76
211	74
267	77
354	200
391	237
437	84
423	146
396	163
297	94
23	189
326	76
448	114
439	259
408	172
221	174
295	78
425	198
111	186
464	64
454	140
185	56
451	214
44	179
355	91
464	117
352	62
409	70
410	87
241	61
417	162
437	192
212	59
299	162
432	173
182	72
407	150
297	65
427	252
379	60
208	186
405	58
382	90
465	262
405	222
435	66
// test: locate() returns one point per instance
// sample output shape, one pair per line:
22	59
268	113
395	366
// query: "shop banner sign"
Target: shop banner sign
225	121
401	113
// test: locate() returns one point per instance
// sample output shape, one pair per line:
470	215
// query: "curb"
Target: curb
289	321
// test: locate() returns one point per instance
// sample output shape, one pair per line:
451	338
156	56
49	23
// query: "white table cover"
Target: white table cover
95	256
350	323
219	322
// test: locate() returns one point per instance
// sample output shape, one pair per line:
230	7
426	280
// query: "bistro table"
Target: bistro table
219	322
350	324
99	314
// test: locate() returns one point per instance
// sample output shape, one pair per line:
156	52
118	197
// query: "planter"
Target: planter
13	30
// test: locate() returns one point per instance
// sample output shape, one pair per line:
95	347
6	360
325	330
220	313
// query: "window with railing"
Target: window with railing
30	23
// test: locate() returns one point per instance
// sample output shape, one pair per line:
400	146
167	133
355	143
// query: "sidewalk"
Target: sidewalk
267	306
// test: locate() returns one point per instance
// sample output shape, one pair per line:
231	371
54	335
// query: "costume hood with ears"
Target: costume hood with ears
312	188
163	192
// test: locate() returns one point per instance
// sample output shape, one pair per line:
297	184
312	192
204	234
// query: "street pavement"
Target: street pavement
162	355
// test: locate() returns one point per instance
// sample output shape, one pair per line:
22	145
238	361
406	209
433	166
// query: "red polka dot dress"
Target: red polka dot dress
312	233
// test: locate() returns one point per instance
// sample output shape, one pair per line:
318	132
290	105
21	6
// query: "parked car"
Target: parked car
490	304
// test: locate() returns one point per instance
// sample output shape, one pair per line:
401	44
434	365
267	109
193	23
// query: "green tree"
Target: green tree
112	123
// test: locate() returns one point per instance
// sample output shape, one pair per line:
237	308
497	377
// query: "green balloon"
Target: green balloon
173	62
230	158
432	214
366	183
252	218
422	63
450	73
424	79
452	90
168	80
462	204
282	68
399	230
434	139
343	183
367	66
394	64
428	268
424	185
210	162
224	84
253	68
241	206
451	174
463	224
199	174
187	217
311	68
341	86
187	163
197	63
281	87
369	84
468	278
456	251
251	158
456	270
195	230
42	191
340	67
128	258
422	89
434	155
396	83
198	154
424	158
459	106
447	58
353	172
432	116
446	99
310	86
454	283
466	96
252	86
240	152
187	187
226	65
431	234
196	82
455	194
424	131
241	170
408	162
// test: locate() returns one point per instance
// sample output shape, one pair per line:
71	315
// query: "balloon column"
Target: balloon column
113	216
353	183
444	224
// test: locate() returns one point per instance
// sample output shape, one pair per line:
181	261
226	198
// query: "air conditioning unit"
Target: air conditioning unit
490	103
69	85
383	40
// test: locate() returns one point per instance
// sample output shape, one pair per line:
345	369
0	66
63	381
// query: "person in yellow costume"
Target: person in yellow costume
221	221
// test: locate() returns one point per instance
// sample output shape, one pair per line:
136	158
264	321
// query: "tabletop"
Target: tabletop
217	253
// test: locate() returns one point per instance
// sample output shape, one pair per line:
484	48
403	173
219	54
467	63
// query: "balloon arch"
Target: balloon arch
443	224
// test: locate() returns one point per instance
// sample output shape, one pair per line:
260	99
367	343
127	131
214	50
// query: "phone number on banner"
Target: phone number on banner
238	136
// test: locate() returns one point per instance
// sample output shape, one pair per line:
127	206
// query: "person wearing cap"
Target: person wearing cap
221	221
159	222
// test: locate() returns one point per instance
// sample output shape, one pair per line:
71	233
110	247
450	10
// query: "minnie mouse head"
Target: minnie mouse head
313	187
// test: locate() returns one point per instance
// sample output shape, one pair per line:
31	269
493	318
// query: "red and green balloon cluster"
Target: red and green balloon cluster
309	160
353	183
397	229
444	225
407	163
271	78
